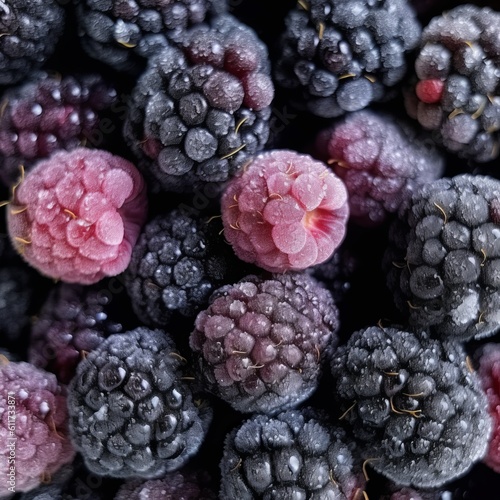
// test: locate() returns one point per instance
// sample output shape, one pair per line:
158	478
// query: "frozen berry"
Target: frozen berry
76	215
284	211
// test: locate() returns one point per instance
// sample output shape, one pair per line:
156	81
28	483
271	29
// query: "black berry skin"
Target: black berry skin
261	343
298	454
339	56
123	34
131	413
199	112
457	81
413	404
443	255
30	30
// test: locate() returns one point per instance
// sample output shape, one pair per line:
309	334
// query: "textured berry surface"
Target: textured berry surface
177	263
443	257
48	113
77	215
488	358
457	81
34	426
74	320
297	454
30	31
340	56
131	413
184	484
200	111
261	343
381	161
123	33
285	211
414	404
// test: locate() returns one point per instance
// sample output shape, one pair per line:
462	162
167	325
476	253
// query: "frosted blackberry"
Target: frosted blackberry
381	160
30	32
199	112
131	413
261	343
296	454
413	404
340	56
74	320
48	113
443	257
34	426
455	93
185	484
123	34
177	262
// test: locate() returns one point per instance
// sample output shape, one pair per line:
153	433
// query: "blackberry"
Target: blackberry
123	34
131	413
443	255
296	454
261	343
34	427
340	56
74	320
381	160
48	113
199	112
457	82
177	262
412	403
30	31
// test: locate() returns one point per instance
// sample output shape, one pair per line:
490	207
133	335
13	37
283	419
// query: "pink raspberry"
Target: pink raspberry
285	211
489	374
77	215
33	427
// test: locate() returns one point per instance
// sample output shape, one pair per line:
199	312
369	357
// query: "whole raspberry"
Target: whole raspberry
33	427
48	113
201	110
413	403
132	414
297	454
123	34
184	484
381	161
284	211
455	92
261	343
488	357
76	215
73	320
442	259
30	30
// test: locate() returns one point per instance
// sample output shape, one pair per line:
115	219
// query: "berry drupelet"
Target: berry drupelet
284	211
202	109
456	90
123	34
442	259
261	343
30	31
297	454
76	215
381	160
413	404
34	426
339	56
48	113
131	413
177	262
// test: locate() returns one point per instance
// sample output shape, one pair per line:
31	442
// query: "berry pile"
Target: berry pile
249	251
